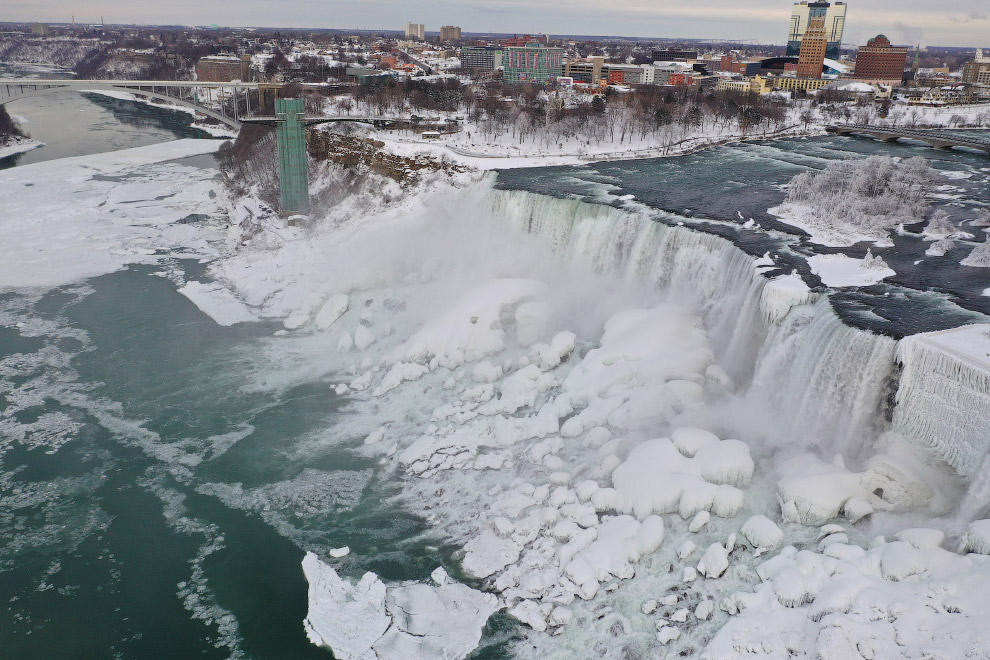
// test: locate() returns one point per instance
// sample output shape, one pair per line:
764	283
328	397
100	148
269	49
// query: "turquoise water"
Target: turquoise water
175	513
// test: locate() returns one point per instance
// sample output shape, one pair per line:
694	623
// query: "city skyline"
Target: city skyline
962	23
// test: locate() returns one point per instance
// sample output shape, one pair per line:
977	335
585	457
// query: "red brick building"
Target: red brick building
224	68
880	62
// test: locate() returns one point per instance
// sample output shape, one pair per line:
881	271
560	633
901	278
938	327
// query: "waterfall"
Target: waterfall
824	383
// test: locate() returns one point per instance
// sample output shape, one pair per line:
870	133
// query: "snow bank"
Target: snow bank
372	621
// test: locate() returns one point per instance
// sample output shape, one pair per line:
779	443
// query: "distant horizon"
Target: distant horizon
703	40
950	24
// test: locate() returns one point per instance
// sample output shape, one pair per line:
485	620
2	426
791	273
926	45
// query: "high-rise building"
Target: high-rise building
450	33
880	62
835	22
814	42
416	31
532	63
486	58
977	71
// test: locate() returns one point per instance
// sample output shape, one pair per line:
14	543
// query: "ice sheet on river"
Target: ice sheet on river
75	218
410	621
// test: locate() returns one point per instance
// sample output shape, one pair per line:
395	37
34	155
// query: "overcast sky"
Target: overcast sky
941	23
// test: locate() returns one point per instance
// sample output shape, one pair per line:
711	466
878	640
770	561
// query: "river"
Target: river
162	476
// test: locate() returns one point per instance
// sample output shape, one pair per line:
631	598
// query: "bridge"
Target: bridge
223	103
936	138
218	95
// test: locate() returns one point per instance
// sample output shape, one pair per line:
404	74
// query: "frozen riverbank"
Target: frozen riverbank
19	146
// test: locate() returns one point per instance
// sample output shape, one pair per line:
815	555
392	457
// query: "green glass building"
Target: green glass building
532	63
293	168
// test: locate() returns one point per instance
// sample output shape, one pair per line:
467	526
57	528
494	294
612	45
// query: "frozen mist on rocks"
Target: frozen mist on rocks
577	395
636	439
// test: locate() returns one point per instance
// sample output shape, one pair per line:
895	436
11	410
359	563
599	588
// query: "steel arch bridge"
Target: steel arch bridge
183	92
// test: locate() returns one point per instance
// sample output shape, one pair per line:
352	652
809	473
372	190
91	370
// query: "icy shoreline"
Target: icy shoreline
19	146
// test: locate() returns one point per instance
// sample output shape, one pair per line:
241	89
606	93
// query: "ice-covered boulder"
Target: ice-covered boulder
978	537
714	562
762	533
656	478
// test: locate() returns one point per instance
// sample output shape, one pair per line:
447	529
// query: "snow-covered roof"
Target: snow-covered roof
855	87
841	67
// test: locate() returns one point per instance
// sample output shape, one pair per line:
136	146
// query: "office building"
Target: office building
814	42
879	62
835	22
450	33
977	71
532	64
671	55
416	31
482	58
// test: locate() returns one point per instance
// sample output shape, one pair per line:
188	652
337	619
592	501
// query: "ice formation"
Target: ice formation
857	199
107	211
572	450
889	600
374	621
839	270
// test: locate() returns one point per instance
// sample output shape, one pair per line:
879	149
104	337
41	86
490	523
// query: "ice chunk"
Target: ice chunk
363	338
337	553
332	309
667	634
762	533
714	562
347	618
487	553
699	521
217	302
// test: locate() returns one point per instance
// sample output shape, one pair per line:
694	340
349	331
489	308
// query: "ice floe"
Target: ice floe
374	621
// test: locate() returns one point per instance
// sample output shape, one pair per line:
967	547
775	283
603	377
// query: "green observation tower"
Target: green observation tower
290	127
